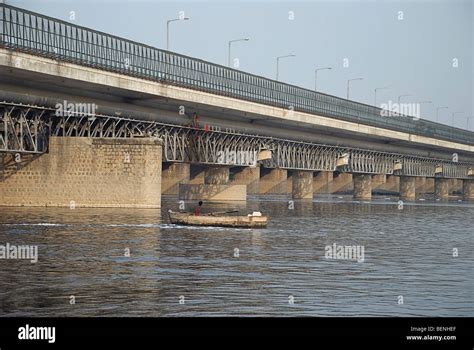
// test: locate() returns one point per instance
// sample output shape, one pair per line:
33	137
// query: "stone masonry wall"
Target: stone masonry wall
86	172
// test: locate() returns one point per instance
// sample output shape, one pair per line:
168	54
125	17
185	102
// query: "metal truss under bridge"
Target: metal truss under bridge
27	128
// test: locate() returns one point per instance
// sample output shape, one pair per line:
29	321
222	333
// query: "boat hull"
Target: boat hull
221	221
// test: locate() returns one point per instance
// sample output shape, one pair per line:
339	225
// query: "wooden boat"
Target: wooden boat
247	221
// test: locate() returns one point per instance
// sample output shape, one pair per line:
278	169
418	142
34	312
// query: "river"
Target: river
417	261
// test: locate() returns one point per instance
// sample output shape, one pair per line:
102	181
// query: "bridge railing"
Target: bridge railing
37	34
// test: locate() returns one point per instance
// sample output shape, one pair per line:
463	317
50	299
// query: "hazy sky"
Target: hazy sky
414	55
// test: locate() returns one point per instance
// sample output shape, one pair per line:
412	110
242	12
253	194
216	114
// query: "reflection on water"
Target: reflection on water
408	253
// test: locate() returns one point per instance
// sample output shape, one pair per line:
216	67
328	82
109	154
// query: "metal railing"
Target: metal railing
26	31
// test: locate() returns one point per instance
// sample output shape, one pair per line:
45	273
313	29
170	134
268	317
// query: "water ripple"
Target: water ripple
119	262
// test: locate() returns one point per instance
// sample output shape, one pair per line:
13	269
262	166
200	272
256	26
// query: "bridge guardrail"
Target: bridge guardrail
37	34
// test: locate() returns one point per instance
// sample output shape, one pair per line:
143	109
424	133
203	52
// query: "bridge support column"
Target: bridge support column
302	185
408	188
378	182
455	186
392	184
249	176
342	182
174	174
322	182
429	185
362	186
89	172
420	184
216	176
273	181
441	190
216	187
196	174
468	190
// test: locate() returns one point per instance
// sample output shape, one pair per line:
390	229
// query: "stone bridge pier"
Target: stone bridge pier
441	188
468	189
302	185
407	188
216	187
87	172
362	186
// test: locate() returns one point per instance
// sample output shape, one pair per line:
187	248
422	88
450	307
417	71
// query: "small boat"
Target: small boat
254	220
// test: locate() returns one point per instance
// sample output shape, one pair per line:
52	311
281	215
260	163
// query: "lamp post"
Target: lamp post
375	93
452	115
168	29
467	122
229	48
348	84
316	76
278	63
399	98
437	111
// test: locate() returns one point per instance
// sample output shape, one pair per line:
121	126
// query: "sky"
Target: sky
424	49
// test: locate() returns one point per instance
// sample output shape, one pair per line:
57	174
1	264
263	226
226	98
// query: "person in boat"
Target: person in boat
197	210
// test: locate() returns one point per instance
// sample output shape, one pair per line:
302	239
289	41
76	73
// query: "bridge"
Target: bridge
202	130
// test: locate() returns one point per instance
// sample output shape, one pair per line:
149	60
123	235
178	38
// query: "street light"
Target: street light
467	121
437	111
316	76
399	97
454	113
375	93
278	62
233	41
168	29
348	84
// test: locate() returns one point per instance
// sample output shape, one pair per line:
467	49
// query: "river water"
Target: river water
418	261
